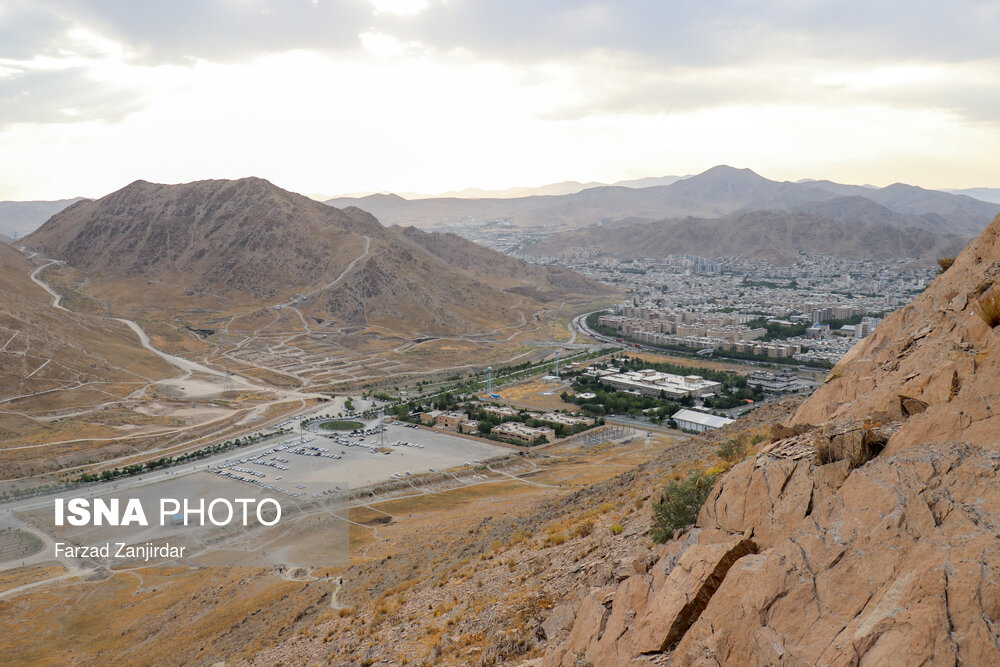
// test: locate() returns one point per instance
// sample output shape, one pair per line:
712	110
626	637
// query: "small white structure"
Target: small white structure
692	420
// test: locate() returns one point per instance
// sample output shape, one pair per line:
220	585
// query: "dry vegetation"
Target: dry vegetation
987	307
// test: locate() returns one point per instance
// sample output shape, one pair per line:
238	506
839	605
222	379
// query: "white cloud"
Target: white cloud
400	7
346	95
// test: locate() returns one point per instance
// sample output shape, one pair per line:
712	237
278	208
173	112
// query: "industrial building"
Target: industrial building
649	382
692	420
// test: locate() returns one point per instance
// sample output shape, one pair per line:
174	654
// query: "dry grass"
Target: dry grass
22	576
988	307
531	394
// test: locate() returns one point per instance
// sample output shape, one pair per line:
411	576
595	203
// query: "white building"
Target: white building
649	382
692	420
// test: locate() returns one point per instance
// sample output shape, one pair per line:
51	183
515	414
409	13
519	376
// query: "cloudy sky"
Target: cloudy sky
336	96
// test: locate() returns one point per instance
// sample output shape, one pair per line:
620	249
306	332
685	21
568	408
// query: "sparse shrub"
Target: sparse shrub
737	449
519	536
617	529
585	528
988	307
555	539
733	449
682	499
945	263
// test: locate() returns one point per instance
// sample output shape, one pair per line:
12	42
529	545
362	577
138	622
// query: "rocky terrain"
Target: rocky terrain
772	236
866	532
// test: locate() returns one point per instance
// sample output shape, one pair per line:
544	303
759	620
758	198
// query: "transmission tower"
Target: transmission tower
489	379
557	364
229	381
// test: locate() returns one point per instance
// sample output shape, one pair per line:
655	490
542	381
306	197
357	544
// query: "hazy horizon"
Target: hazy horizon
428	96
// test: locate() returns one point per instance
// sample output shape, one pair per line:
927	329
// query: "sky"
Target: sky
346	96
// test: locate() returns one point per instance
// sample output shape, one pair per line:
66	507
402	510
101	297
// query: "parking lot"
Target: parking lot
338	458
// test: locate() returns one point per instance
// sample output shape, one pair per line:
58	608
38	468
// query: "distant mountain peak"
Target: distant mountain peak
726	170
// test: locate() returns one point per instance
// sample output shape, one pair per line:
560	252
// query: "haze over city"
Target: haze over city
429	96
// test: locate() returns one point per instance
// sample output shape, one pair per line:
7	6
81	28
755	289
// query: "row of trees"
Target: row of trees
167	461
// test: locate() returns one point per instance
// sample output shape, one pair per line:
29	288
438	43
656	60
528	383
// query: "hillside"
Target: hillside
771	236
717	192
863	530
237	239
222	245
54	362
866	532
294	293
24	217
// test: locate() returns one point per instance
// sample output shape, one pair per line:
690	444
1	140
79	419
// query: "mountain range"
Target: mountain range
765	235
230	245
718	192
991	195
561	188
18	218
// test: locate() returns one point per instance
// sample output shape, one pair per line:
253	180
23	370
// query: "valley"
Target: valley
497	515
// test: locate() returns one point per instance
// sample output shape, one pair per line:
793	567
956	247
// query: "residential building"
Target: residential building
523	434
564	419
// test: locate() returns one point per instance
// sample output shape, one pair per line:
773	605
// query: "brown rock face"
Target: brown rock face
875	514
679	602
899	566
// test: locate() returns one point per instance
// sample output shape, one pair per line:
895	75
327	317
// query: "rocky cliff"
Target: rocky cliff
866	532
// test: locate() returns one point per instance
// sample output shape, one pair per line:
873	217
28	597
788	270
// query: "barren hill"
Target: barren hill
718	192
220	245
243	238
54	361
776	237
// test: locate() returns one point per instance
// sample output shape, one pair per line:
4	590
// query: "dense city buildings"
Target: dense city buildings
812	311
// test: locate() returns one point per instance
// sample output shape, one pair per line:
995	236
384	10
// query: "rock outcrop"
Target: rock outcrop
932	365
867	532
